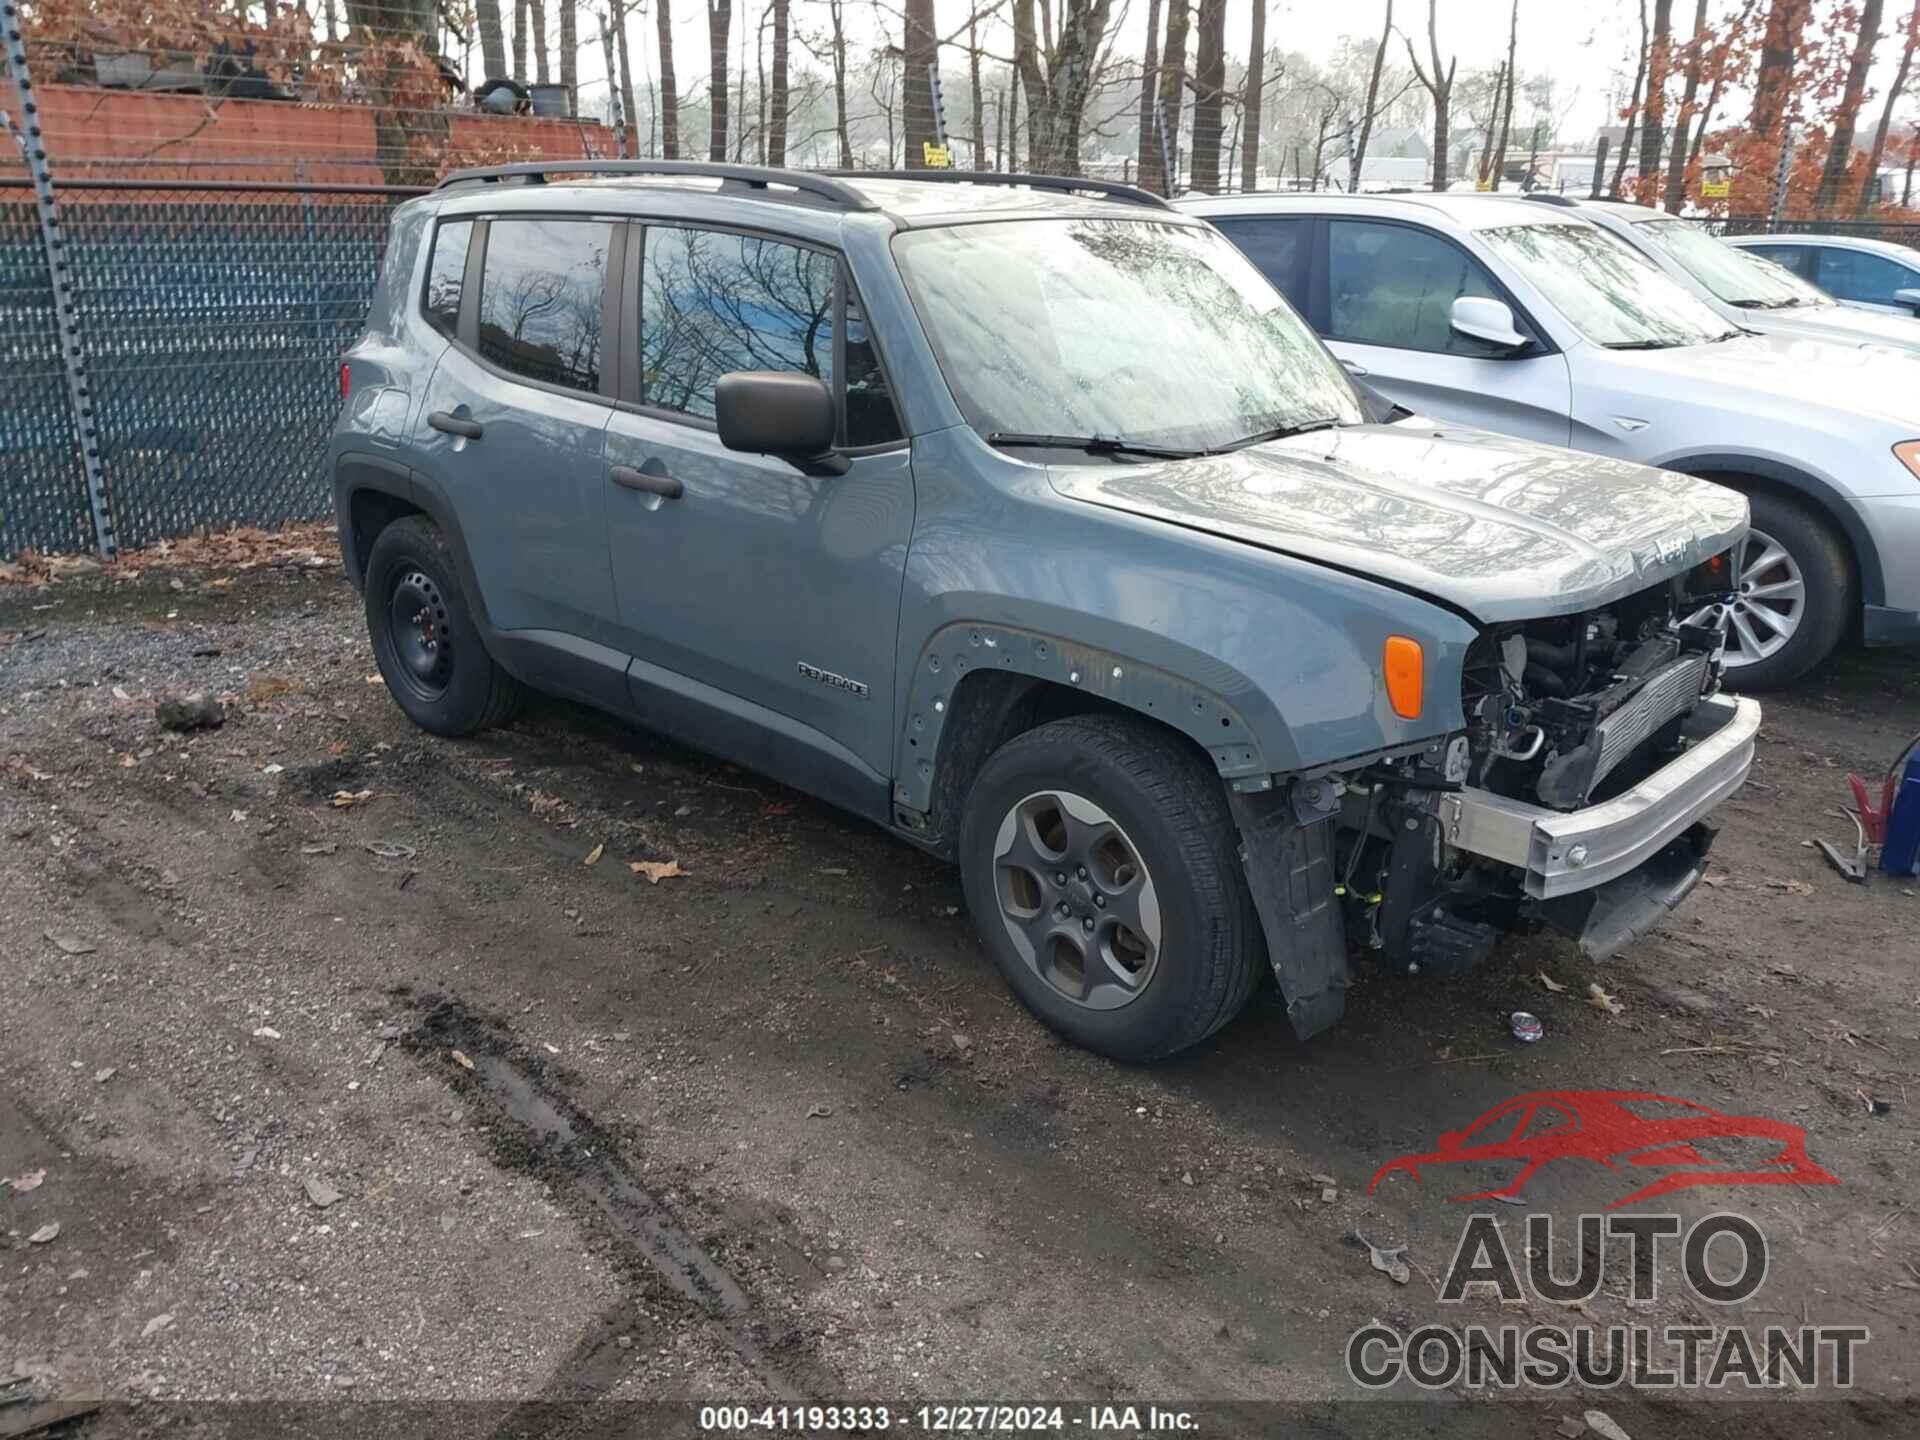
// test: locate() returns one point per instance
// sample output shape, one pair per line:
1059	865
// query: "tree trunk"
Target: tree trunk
1147	156
920	52
1485	174
1359	156
1847	118
1255	96
837	10
719	39
333	22
1633	110
1786	22
1013	123
537	13
978	104
1679	155
493	42
999	127
669	92
777	120
1173	82
1440	86
626	81
1886	115
407	139
1058	78
569	47
1654	110
1506	110
1210	81
1722	63
520	41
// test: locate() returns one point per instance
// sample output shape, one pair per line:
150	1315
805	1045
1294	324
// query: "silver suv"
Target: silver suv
1526	319
1873	274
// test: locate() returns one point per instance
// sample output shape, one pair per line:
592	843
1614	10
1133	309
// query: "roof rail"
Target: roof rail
753	177
1110	189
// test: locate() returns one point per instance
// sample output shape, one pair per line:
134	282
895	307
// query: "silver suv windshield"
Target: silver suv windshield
1128	332
1735	276
1608	293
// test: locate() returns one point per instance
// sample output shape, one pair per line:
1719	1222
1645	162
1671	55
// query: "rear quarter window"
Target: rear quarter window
446	271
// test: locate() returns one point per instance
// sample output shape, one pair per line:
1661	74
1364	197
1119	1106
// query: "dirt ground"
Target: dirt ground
363	1068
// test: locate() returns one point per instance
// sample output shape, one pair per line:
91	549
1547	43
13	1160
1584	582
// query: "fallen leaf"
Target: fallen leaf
104	1074
1601	1000
549	1047
325	847
264	687
376	679
656	870
238	817
29	1181
72	944
266	1032
593	855
460	1059
345	799
1552	984
154	1326
1792	887
1389	1262
45	1233
271	769
390	850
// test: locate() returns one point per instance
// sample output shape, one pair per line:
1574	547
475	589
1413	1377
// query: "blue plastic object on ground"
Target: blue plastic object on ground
1900	855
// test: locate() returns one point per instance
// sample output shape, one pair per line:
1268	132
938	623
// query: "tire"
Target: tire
1137	791
1815	556
424	638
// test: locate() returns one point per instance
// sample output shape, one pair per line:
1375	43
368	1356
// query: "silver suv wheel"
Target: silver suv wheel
1770	604
1076	899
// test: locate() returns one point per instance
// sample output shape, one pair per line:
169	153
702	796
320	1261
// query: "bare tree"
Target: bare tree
1846	118
973	85
537	13
1173	83
626	77
1147	158
1678	153
782	99
1439	85
569	47
1357	153
1057	76
1633	109
1878	153
520	41
920	54
1506	109
719	33
493	44
1653	123
669	93
1209	95
1254	93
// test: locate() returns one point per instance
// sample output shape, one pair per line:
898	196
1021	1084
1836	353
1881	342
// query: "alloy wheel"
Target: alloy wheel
1767	608
1076	899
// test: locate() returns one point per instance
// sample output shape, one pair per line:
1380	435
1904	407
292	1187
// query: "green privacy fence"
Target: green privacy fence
208	322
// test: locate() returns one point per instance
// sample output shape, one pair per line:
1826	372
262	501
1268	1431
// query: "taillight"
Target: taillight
346	380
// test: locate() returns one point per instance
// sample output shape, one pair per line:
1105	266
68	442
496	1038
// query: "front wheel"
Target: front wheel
1101	868
1793	595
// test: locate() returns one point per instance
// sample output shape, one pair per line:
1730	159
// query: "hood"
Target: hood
1838	325
1786	374
1502	529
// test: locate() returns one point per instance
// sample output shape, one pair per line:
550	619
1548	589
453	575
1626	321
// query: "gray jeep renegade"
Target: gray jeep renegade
1022	517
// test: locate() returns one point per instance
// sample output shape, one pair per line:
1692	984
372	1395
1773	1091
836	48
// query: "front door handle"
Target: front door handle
454	425
664	486
1354	367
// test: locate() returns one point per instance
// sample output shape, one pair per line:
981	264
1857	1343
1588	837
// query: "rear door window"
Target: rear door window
1278	248
1395	285
542	292
1861	275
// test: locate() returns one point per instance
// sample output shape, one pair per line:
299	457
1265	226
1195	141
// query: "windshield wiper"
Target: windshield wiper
1091	444
1279	432
1786	304
1643	344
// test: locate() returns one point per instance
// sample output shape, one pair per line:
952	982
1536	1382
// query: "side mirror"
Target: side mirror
1908	298
771	412
1479	318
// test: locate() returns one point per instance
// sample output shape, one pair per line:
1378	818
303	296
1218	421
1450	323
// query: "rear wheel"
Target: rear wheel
1794	593
1101	868
424	637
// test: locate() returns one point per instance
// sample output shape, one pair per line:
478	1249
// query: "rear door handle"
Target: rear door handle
664	486
454	425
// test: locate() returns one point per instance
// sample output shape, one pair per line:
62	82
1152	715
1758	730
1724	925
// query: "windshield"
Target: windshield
1735	276
1136	330
1608	293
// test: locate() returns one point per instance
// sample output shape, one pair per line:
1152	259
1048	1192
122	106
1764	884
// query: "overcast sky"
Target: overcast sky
1588	46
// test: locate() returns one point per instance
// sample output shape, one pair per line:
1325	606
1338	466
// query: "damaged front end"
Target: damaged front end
1595	746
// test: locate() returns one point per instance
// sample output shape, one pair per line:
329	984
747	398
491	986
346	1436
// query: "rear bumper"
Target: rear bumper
1567	852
